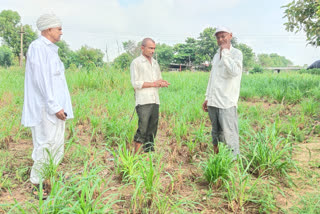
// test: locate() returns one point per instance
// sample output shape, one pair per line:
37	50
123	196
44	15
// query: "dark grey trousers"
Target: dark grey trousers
147	126
225	127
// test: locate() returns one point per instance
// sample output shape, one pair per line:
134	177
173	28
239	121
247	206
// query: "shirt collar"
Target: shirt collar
49	43
144	59
231	47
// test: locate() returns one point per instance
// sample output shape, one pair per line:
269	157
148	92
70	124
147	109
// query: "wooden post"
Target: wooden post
21	46
107	53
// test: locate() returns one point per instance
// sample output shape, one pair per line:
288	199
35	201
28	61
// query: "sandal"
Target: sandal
35	191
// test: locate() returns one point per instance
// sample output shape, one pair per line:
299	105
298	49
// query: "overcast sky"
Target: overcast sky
107	23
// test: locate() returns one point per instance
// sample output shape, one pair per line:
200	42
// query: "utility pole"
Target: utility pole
107	53
21	46
118	48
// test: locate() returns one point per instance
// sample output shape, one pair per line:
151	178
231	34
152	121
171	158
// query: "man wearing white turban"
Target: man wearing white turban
47	103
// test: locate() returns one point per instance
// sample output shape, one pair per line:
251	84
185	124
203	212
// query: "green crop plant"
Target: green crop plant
309	203
103	104
311	107
239	186
126	163
269	153
191	145
148	184
218	167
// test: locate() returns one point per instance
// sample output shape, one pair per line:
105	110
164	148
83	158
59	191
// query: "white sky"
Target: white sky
101	23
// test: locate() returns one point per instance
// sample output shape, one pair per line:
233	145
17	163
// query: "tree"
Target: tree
67	56
132	48
185	53
264	60
207	46
164	55
273	60
123	61
9	31
28	36
6	56
248	55
87	57
304	15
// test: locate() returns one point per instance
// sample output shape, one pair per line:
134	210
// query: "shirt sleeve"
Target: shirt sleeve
135	76
43	79
232	62
209	82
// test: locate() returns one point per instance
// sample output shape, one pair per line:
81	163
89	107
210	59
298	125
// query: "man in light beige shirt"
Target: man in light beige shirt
146	80
223	92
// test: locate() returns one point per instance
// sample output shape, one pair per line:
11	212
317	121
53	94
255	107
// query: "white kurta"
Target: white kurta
141	70
45	85
224	83
45	93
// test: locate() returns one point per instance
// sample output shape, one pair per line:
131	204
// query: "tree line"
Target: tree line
198	52
302	15
10	28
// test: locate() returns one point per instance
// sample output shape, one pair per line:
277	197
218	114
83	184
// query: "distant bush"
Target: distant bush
256	69
73	67
6	56
123	61
310	71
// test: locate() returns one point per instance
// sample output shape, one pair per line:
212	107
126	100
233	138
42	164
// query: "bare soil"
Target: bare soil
177	161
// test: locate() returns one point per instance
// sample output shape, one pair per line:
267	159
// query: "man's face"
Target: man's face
55	34
148	49
224	38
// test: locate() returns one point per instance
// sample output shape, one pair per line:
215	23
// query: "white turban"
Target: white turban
47	21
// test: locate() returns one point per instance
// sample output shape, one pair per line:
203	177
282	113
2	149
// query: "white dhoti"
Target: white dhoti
47	137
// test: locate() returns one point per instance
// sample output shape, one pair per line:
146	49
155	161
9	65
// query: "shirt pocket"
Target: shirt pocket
59	69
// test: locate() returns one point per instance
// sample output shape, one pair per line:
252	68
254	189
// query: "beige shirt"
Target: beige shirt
224	83
141	70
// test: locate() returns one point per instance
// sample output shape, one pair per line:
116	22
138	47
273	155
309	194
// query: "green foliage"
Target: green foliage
283	87
66	55
304	15
89	57
77	194
248	55
207	46
103	103
218	166
9	31
6	56
123	61
309	203
164	54
126	163
239	186
269	153
310	107
131	48
273	60
28	37
185	53
315	71
256	69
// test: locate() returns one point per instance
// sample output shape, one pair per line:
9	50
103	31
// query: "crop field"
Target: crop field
278	172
